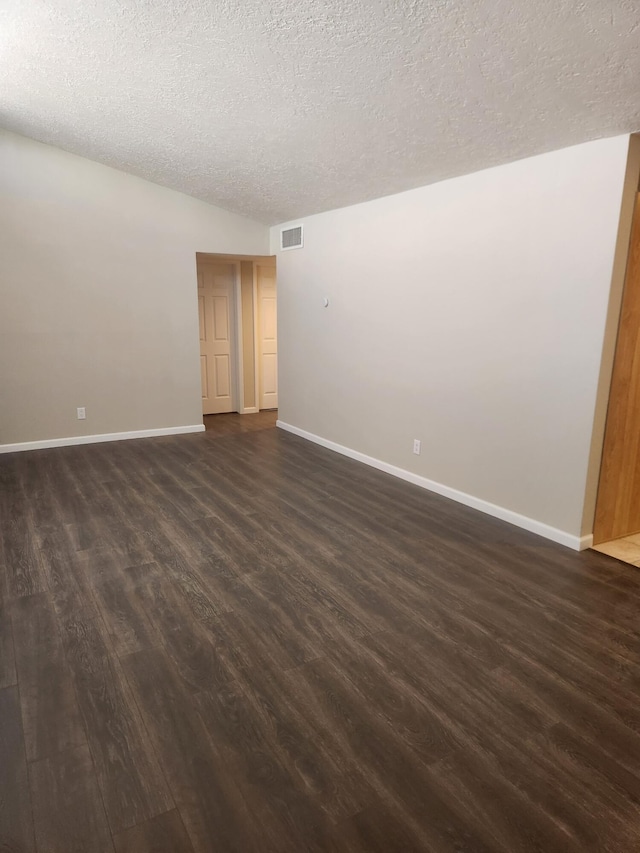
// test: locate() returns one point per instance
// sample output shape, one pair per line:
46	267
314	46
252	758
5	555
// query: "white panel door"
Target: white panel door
267	337
215	307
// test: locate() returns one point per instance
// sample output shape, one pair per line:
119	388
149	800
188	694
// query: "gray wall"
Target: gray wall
98	295
469	314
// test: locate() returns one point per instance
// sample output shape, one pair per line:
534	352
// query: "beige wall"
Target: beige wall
469	314
98	304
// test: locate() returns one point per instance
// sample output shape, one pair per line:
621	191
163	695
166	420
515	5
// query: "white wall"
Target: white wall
98	295
469	314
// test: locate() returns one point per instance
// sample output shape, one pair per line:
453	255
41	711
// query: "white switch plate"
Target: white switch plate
82	413
416	446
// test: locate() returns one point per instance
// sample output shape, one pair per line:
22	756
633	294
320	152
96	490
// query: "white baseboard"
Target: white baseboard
585	542
577	543
249	410
96	439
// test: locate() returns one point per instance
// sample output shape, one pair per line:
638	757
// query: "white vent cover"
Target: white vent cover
291	238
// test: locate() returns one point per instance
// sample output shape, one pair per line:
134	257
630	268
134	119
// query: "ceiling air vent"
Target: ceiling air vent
291	238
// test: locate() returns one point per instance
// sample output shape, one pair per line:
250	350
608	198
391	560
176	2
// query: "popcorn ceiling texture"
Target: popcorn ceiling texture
279	108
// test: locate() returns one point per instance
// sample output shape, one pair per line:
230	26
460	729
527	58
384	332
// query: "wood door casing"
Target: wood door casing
618	501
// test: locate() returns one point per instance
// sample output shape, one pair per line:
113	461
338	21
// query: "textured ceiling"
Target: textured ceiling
280	108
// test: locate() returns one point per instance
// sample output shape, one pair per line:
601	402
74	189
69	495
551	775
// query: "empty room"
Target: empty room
319	426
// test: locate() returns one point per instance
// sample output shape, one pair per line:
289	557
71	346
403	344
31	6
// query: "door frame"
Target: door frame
237	344
612	520
241	408
631	187
256	327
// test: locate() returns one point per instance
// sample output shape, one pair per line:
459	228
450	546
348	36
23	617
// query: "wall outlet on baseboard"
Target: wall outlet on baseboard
82	413
416	446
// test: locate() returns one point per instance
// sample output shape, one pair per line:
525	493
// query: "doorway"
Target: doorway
237	313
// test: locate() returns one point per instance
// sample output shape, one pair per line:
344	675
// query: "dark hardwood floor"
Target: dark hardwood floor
239	641
232	424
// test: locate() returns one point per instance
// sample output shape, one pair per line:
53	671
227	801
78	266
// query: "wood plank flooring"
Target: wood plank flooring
239	641
232	424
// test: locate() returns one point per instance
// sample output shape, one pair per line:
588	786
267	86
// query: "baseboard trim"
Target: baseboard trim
585	542
577	543
249	410
97	439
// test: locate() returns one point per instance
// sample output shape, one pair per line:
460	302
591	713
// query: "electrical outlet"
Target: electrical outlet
82	413
416	446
